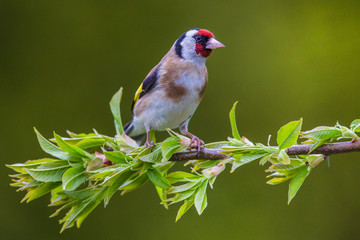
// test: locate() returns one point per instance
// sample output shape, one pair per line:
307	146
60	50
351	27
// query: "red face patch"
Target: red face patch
199	49
205	33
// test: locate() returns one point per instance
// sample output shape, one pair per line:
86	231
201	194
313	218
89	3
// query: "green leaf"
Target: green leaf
90	143
217	145
65	206
179	176
277	180
288	134
283	157
56	196
50	148
153	157
234	129
71	149
347	133
297	181
40	191
118	157
184	187
152	136
115	109
48	174
183	209
162	195
322	134
134	183
79	212
279	167
110	191
101	173
201	198
355	125
265	159
79	194
109	180
33	164
145	167
242	159
182	196
235	142
95	164
316	145
114	144
73	178
164	166
81	135
282	173
201	164
158	179
170	146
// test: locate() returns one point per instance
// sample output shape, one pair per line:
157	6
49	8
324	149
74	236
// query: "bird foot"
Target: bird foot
149	144
196	143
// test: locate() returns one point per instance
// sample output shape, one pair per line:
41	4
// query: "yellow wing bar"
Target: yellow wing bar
137	94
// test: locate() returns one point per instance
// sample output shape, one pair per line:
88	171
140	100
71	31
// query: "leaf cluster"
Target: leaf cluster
282	166
87	169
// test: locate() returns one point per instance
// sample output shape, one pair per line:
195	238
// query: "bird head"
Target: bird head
196	45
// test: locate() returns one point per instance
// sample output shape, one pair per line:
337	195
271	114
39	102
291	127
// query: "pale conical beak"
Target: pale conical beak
213	43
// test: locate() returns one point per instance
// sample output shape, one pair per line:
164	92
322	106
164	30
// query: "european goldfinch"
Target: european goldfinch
173	89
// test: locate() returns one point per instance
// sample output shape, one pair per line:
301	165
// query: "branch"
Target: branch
203	154
326	149
79	178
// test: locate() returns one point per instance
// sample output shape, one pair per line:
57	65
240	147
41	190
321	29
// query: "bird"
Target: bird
173	89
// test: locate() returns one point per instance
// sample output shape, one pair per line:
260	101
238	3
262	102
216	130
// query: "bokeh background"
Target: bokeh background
61	61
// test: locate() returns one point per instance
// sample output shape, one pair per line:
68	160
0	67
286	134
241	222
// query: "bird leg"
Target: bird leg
196	143
148	144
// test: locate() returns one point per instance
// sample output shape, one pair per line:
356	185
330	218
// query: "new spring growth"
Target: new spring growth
185	142
87	169
214	171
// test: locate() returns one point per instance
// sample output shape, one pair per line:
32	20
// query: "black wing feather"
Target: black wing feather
147	85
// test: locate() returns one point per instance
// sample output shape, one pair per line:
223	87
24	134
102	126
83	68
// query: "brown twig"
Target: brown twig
326	149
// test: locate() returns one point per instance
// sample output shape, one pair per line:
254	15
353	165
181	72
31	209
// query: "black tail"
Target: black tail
127	129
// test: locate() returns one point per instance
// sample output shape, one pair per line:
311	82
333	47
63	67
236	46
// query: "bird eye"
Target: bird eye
198	38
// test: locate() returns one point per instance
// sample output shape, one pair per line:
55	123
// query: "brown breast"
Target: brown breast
171	68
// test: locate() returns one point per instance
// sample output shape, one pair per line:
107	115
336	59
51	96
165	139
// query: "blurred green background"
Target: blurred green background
61	61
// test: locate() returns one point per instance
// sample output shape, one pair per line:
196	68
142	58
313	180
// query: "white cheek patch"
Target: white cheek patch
188	48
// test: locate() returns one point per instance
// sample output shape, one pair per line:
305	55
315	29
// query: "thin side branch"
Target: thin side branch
326	149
